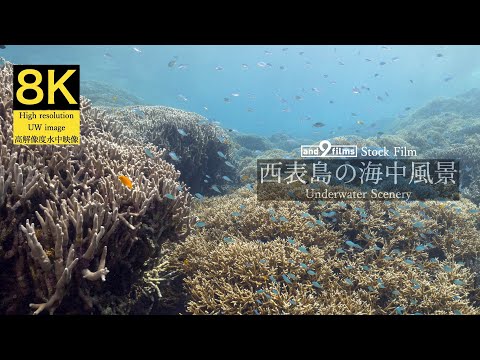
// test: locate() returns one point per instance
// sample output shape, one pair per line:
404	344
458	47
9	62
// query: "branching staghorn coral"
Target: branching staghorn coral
352	257
69	228
190	136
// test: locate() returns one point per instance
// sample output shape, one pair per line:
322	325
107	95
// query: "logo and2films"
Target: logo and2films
46	104
326	149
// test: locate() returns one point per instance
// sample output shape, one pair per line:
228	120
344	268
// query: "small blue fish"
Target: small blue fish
399	310
200	224
418	313
263	261
422	204
389	227
260	291
377	248
371	289
291	241
328	214
340	251
306	215
249	187
311	272
316	284
304	266
310	224
170	196
413	302
291	276
418	225
228	240
199	196
293	302
395	292
386	257
352	244
275	291
342	204
226	178
148	152
236	213
458	282
365	267
215	187
273	219
286	279
242	207
228	163
420	248
268	296
409	261
283	218
457	312
433	260
461	263
182	132
447	268
174	156
394	212
319	222
139	113
349	282
388	203
259	302
179	187
256	312
473	211
221	154
205	181
303	249
273	279
349	267
208	176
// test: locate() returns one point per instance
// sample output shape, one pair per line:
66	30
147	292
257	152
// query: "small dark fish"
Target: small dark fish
375	75
284	49
331	101
2	46
411	81
379	98
340	63
448	78
407	108
282	67
368	60
395	58
107	55
439	55
172	63
318	125
380	133
382	63
301	53
325	76
386	93
227	100
354	114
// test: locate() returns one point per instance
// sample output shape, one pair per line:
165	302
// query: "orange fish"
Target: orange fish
126	181
245	177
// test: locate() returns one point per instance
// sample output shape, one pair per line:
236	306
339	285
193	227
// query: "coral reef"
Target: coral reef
103	94
72	236
358	257
252	142
195	141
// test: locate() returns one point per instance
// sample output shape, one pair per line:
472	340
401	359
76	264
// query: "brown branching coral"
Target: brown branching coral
68	227
355	257
191	137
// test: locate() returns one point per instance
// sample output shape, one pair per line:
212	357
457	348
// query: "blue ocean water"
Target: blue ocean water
272	89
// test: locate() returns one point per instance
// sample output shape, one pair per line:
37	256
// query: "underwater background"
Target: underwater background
156	212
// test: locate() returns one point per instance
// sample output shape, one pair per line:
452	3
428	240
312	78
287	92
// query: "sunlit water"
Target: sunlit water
280	88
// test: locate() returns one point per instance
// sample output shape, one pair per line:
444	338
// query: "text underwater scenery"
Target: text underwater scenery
240	180
46	105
